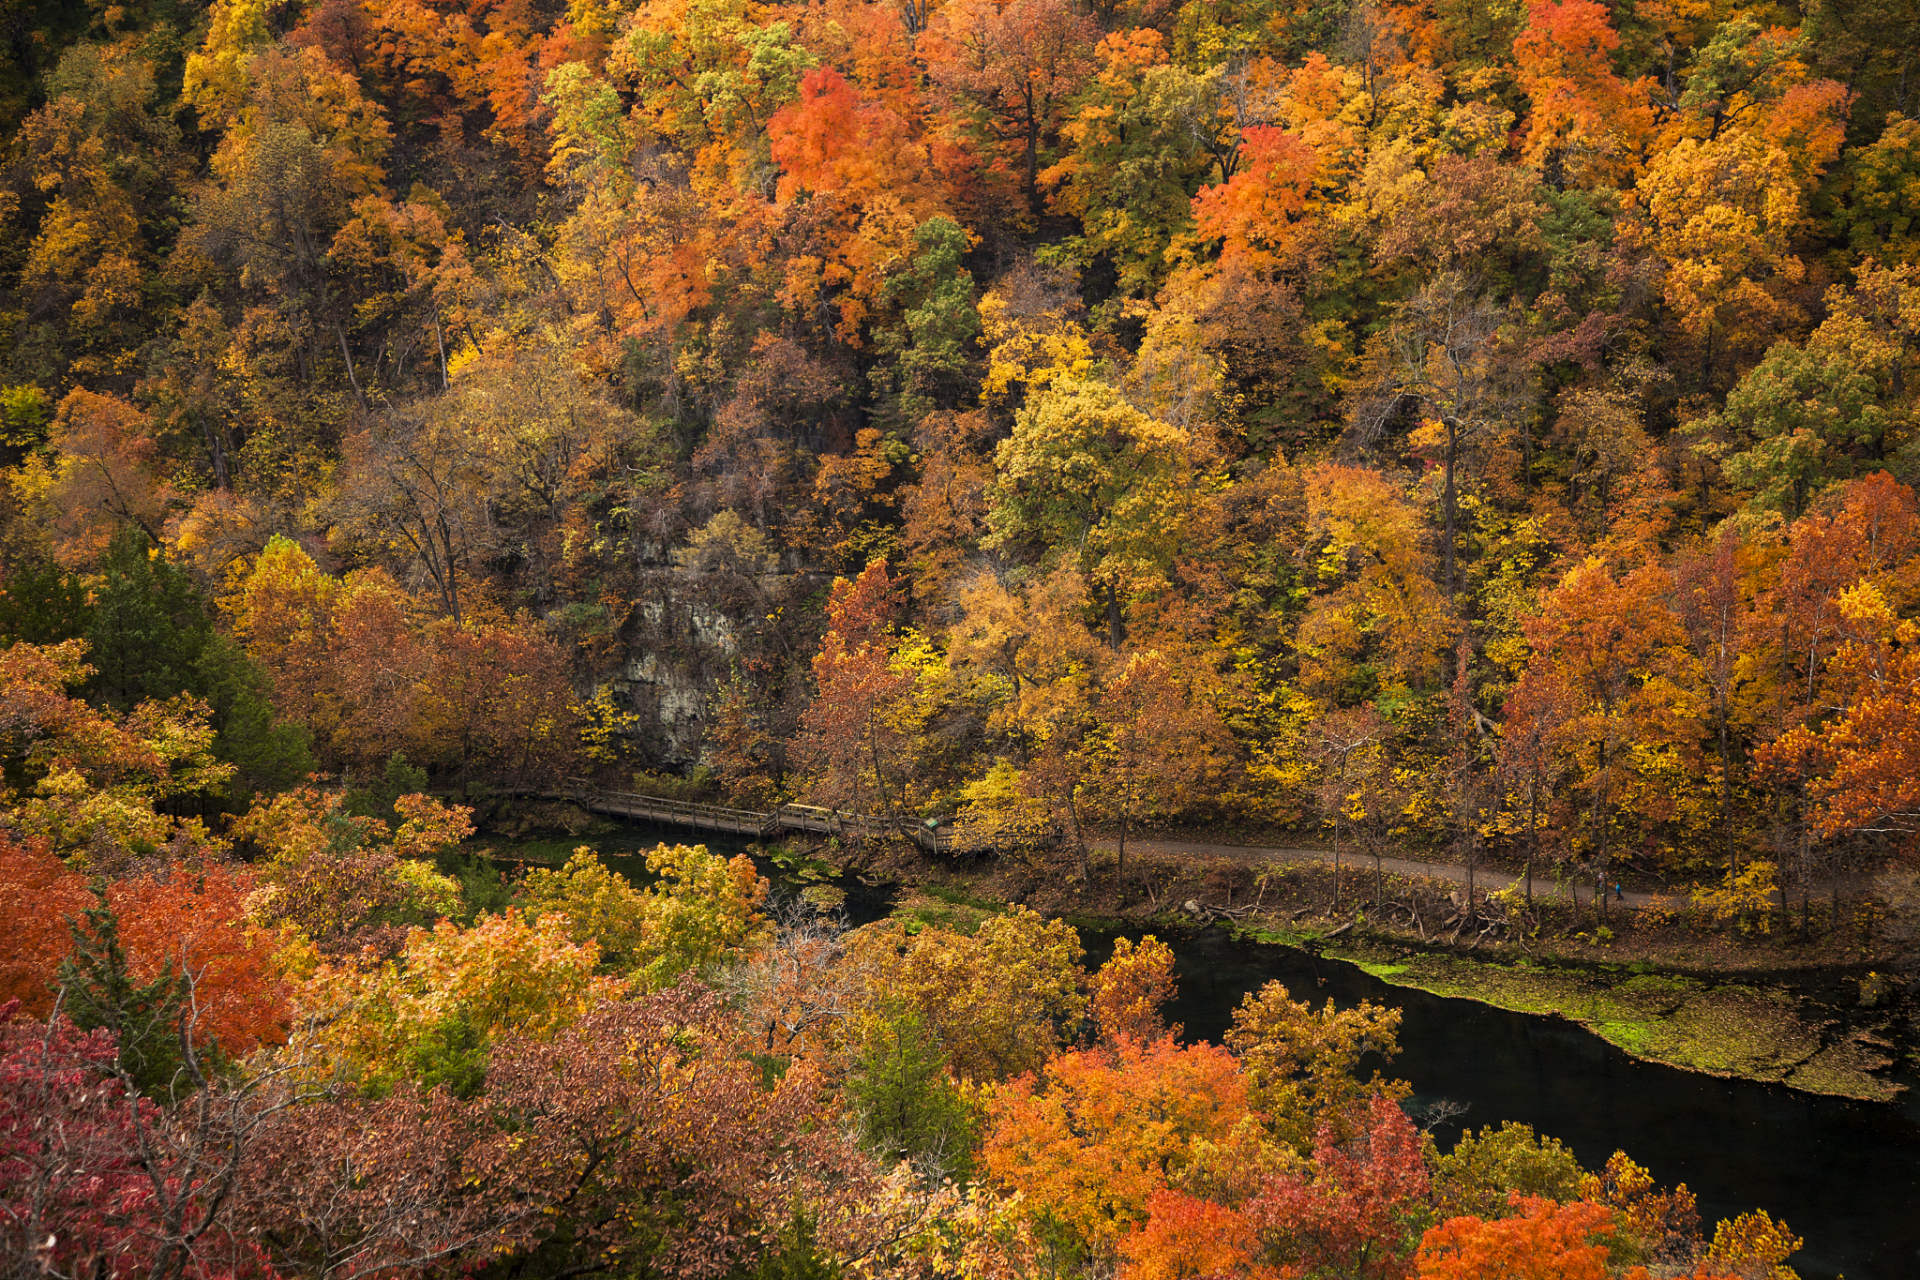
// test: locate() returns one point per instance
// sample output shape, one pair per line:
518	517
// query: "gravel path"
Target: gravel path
1488	878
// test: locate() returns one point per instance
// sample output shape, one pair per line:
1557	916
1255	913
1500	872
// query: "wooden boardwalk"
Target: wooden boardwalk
798	818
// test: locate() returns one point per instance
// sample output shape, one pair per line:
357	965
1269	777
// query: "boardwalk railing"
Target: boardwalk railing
748	822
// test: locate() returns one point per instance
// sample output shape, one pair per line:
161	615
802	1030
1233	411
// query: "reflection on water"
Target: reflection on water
1845	1175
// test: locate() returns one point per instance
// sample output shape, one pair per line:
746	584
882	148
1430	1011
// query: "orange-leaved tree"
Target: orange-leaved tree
1098	1132
38	895
849	742
1008	74
1584	120
1615	648
1543	1241
1259	214
1128	991
1154	750
1865	763
192	922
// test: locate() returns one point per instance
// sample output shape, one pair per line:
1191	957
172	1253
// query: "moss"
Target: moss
1381	971
1636	1038
920	911
1756	1033
798	866
1278	936
1733	1033
546	849
1840	1068
961	898
1095	924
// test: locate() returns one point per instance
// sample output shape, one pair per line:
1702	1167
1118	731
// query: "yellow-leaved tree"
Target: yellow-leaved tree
343	883
998	1002
431	1016
1087	473
1302	1064
703	912
92	784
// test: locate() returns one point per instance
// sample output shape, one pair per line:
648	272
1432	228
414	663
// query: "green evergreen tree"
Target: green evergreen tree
40	604
908	1104
925	352
98	990
271	754
149	626
376	800
152	636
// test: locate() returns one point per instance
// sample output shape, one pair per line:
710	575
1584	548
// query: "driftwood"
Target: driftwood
1207	913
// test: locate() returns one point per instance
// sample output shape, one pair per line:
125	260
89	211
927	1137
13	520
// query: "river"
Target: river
1844	1175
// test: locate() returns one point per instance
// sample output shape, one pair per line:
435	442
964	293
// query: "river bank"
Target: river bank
1827	1015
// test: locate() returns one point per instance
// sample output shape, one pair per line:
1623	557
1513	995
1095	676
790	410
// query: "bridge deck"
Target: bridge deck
748	822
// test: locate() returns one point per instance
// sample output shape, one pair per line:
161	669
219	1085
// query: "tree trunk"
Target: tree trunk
216	452
1451	502
1806	861
1472	855
451	583
1600	826
1033	161
1079	838
1336	856
1526	458
347	355
879	779
1533	837
1726	794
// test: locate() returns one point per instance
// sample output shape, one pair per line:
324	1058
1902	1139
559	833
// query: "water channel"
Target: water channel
1845	1175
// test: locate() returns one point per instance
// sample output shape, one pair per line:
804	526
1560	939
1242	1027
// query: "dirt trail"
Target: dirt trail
1484	878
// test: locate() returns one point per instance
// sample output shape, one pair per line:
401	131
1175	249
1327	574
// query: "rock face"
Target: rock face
671	698
682	635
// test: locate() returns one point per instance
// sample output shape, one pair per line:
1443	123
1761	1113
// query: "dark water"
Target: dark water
1845	1175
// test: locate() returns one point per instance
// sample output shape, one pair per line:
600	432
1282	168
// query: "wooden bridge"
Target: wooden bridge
748	822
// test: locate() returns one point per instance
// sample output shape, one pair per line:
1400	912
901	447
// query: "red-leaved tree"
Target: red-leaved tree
98	1182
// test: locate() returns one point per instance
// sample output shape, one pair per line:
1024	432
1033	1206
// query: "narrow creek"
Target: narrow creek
1845	1175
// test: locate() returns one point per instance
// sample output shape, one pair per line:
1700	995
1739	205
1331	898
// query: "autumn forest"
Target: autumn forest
1479	433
